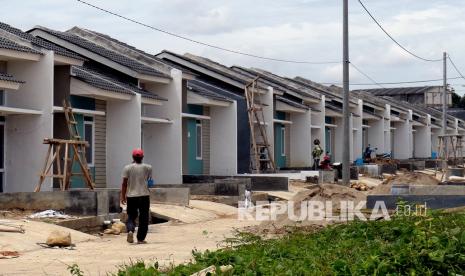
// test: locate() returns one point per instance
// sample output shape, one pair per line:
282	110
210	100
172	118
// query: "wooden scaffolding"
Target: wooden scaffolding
262	157
63	154
450	148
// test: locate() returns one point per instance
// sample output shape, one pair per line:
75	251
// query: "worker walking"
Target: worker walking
135	193
316	153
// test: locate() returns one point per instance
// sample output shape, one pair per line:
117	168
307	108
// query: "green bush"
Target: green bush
433	245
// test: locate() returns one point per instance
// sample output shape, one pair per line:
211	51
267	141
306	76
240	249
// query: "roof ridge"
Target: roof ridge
144	57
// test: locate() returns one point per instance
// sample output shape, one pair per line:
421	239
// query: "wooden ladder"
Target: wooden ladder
74	151
257	120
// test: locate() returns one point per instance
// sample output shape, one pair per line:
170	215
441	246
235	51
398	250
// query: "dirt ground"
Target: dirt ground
167	243
415	178
201	226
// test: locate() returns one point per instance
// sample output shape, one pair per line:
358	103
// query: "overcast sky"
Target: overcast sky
309	30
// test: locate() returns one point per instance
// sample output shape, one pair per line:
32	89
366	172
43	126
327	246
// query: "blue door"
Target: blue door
194	146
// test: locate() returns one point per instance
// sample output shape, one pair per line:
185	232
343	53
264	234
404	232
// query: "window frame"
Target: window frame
198	141
91	123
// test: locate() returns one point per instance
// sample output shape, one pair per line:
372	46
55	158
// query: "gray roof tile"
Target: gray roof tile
102	81
6	77
400	90
39	42
207	91
111	55
11	45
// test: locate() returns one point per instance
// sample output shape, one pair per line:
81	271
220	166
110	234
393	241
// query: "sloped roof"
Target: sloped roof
277	82
291	103
6	77
214	67
11	45
111	55
207	91
39	41
106	82
400	90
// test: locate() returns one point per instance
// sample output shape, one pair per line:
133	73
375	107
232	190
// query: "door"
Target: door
194	145
280	145
86	129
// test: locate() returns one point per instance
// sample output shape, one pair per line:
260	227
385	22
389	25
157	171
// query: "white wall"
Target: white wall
25	153
387	129
123	135
357	151
435	140
338	137
163	142
223	139
403	139
376	134
423	140
301	139
268	114
318	120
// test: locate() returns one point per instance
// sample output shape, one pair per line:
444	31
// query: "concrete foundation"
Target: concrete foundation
432	201
454	172
372	170
258	182
412	165
74	202
435	197
326	177
92	224
172	195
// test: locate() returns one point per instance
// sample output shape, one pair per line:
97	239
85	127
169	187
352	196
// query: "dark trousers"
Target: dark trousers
138	207
316	163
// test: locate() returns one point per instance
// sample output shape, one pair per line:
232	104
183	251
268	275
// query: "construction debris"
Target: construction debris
360	186
9	254
411	178
59	238
49	214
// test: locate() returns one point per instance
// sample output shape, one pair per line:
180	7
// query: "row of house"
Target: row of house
188	113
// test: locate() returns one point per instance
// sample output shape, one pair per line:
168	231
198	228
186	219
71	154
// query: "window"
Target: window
283	141
2	97
198	135
89	133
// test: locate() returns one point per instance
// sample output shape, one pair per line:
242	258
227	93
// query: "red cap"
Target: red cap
138	152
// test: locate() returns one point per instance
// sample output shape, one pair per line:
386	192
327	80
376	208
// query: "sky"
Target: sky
304	30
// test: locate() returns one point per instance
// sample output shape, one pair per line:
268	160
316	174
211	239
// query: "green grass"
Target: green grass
433	245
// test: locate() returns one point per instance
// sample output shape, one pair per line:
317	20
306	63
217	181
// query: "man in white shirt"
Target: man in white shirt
135	193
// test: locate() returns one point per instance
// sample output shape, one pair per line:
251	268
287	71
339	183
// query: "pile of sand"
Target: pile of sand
411	178
325	192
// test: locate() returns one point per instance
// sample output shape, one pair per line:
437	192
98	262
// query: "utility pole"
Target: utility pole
444	105
345	107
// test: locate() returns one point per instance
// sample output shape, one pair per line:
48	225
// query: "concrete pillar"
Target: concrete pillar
24	151
422	138
268	114
318	121
338	143
163	142
376	134
402	143
223	139
358	133
123	135
387	129
301	139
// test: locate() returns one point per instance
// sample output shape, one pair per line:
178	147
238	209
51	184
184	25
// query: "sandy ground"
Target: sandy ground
167	243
